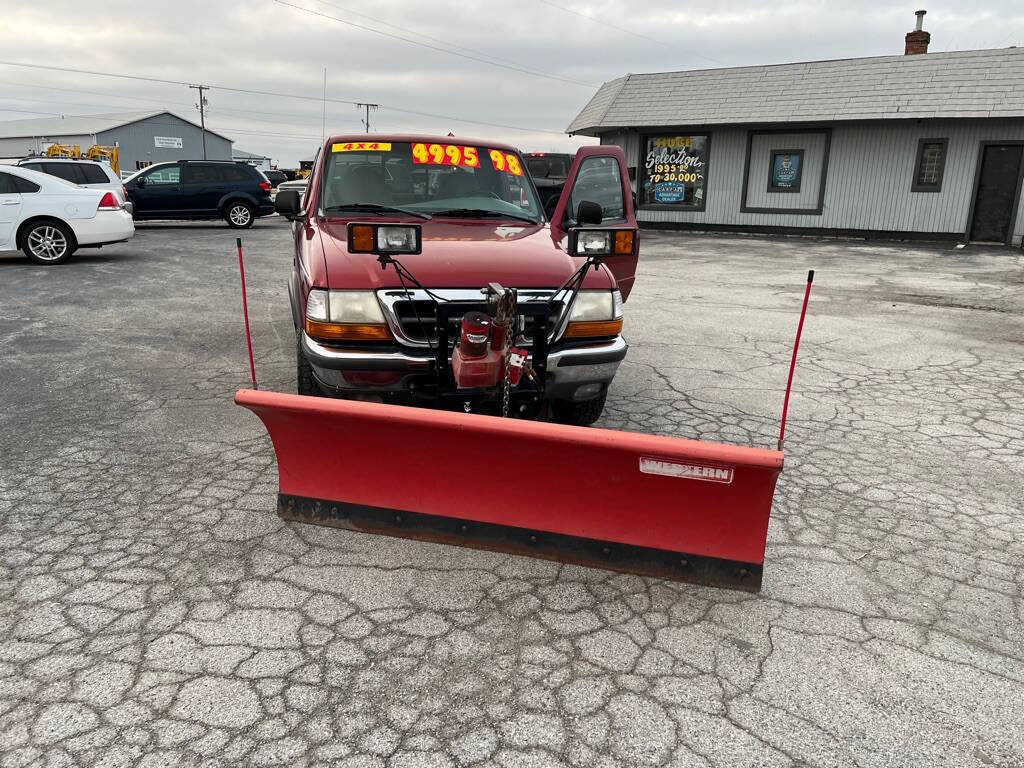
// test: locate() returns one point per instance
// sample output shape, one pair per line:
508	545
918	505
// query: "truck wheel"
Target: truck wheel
580	414
306	384
239	215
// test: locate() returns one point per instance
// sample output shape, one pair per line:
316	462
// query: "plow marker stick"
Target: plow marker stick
792	362
245	312
659	506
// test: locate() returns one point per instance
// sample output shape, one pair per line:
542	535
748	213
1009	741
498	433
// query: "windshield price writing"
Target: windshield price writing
507	162
445	154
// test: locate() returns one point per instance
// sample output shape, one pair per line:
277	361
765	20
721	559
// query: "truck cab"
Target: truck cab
372	323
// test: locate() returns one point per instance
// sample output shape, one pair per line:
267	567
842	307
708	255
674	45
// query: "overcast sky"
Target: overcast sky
571	46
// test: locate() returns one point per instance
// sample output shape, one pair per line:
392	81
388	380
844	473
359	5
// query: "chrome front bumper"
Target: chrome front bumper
571	369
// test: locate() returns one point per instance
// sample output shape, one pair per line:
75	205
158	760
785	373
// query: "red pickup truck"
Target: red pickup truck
400	241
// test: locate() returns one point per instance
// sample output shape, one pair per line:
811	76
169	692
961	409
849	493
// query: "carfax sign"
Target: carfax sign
675	171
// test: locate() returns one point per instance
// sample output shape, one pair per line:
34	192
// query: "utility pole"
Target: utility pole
368	107
323	126
201	106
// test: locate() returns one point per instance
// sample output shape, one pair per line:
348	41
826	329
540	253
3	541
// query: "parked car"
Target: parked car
200	189
49	218
548	171
296	184
84	173
363	330
275	177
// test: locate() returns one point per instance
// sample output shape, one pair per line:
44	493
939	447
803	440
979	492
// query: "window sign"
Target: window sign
675	171
786	170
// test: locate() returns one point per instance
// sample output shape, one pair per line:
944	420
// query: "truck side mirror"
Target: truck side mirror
589	212
288	204
140	182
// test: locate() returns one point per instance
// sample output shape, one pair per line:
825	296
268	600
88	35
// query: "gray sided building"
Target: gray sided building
917	146
143	138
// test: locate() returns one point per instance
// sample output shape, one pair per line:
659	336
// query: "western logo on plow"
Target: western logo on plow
708	472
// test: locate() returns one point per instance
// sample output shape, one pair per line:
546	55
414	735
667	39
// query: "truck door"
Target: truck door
599	175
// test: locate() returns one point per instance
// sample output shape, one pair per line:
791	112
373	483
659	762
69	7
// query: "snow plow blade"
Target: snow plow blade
657	506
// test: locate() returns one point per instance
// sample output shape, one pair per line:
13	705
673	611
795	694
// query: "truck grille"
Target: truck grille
413	330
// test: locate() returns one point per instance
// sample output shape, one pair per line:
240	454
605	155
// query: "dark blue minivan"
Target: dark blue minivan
201	189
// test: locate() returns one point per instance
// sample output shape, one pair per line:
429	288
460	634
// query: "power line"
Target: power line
603	23
148	102
412	41
279	95
164	105
156	106
517	64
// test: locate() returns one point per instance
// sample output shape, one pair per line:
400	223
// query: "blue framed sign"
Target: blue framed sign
786	170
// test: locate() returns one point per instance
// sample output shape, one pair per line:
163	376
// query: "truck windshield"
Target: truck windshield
428	178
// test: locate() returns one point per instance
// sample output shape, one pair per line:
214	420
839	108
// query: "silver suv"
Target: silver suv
84	173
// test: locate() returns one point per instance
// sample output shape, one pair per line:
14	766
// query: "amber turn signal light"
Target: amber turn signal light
347	331
361	238
624	242
590	330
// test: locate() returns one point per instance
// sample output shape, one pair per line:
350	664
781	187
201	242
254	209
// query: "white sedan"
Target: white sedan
49	218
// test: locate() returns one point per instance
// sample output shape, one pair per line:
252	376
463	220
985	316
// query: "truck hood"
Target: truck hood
460	253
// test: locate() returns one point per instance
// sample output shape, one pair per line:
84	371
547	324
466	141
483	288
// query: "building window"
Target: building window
140	164
675	172
931	163
785	170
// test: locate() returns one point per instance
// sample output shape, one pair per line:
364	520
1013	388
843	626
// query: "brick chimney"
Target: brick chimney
917	41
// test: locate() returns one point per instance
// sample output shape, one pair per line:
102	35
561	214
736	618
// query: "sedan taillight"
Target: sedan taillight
109	202
265	186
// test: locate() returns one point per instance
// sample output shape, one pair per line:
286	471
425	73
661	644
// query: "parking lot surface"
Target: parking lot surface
156	612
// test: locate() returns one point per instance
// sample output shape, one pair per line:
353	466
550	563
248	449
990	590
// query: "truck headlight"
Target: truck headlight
345	316
593	305
595	314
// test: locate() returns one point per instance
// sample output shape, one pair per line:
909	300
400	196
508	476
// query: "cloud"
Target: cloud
270	46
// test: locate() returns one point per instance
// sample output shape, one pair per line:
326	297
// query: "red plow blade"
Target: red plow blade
659	506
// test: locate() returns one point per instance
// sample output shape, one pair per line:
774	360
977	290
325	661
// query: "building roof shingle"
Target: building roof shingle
986	83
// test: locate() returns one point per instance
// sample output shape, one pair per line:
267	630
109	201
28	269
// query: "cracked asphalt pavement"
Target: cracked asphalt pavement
154	611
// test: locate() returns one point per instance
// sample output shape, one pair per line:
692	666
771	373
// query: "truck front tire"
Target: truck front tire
579	414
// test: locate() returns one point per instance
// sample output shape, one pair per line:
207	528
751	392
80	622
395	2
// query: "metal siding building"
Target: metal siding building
137	135
857	125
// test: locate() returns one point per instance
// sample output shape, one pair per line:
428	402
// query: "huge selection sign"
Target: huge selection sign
675	171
